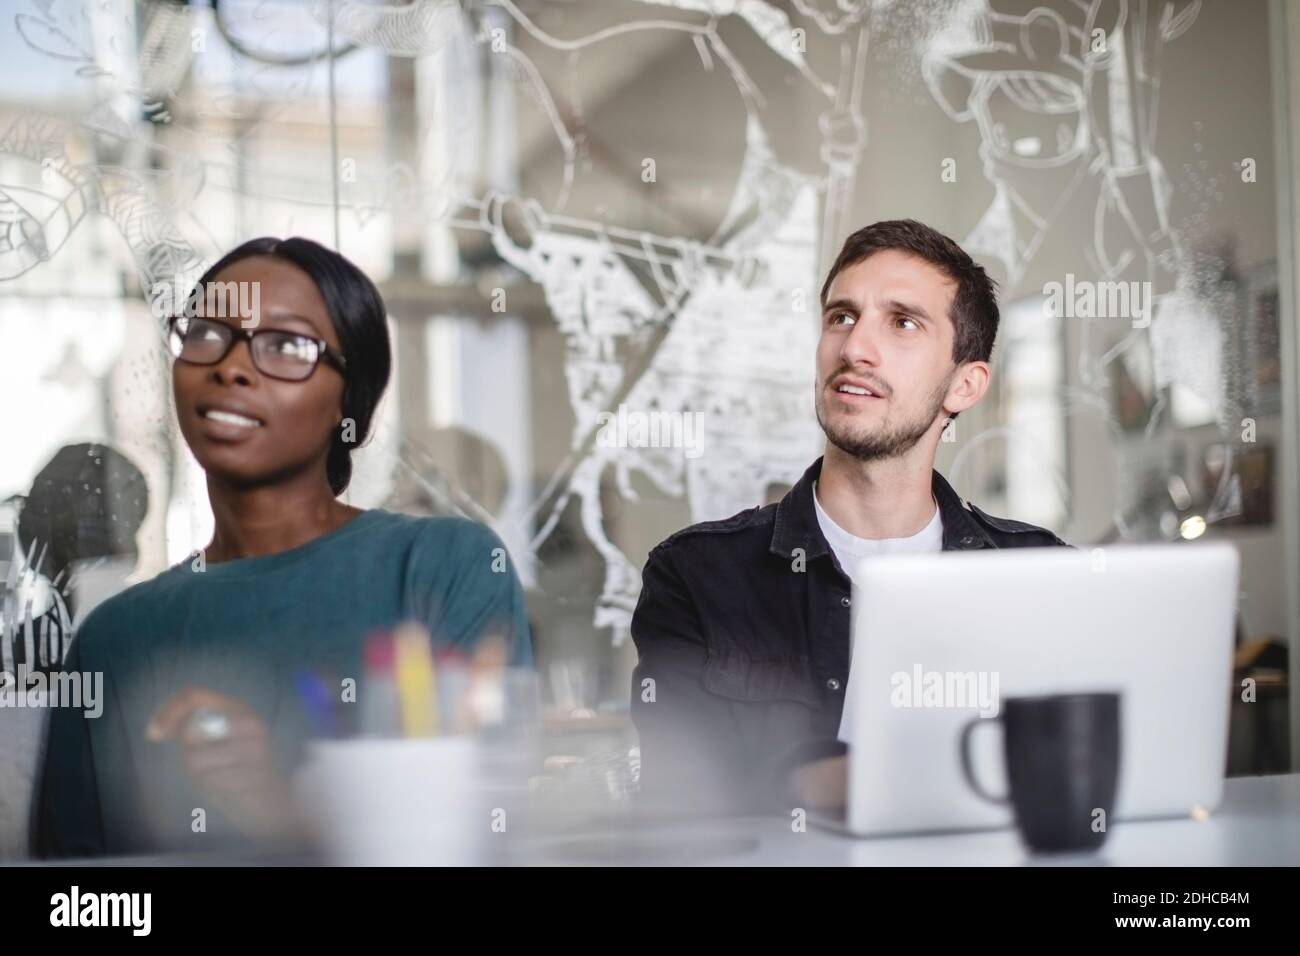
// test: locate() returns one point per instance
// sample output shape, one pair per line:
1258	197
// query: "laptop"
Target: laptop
1153	622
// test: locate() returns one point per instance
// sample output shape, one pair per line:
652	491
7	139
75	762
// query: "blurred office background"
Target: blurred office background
577	205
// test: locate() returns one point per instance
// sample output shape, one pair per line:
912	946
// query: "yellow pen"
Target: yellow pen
417	680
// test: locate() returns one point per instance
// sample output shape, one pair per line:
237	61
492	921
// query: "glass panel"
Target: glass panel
590	216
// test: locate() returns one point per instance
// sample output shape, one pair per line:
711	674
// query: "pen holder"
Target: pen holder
398	802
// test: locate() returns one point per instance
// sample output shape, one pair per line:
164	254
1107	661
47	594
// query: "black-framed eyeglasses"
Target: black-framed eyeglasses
288	356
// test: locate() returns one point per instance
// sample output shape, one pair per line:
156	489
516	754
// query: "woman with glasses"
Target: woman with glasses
203	667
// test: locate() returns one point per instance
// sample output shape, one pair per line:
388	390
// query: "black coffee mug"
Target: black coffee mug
1062	756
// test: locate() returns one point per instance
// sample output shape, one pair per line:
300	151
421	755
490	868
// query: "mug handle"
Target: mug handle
967	766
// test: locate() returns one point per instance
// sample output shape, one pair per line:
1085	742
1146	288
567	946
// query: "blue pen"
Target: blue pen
318	702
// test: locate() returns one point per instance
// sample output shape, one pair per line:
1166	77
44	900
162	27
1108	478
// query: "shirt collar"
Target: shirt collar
796	519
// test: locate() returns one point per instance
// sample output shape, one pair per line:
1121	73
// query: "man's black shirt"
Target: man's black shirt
742	630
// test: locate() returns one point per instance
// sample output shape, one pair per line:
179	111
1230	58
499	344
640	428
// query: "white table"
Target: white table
1258	824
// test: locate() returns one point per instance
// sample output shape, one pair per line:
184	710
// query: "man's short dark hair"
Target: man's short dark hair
974	311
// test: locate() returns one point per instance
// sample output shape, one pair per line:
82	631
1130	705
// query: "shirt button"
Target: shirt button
833	684
845	601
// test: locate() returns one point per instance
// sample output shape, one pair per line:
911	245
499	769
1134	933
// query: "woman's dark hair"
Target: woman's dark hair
360	320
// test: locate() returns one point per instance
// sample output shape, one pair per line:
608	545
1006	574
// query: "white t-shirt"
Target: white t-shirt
849	548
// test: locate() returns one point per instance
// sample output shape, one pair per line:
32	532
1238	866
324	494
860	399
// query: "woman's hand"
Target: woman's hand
227	751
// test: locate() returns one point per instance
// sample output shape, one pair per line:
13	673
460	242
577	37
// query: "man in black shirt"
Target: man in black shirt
743	624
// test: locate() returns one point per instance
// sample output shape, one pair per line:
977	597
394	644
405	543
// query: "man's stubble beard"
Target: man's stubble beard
891	444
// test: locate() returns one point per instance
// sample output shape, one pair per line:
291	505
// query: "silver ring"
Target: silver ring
209	724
